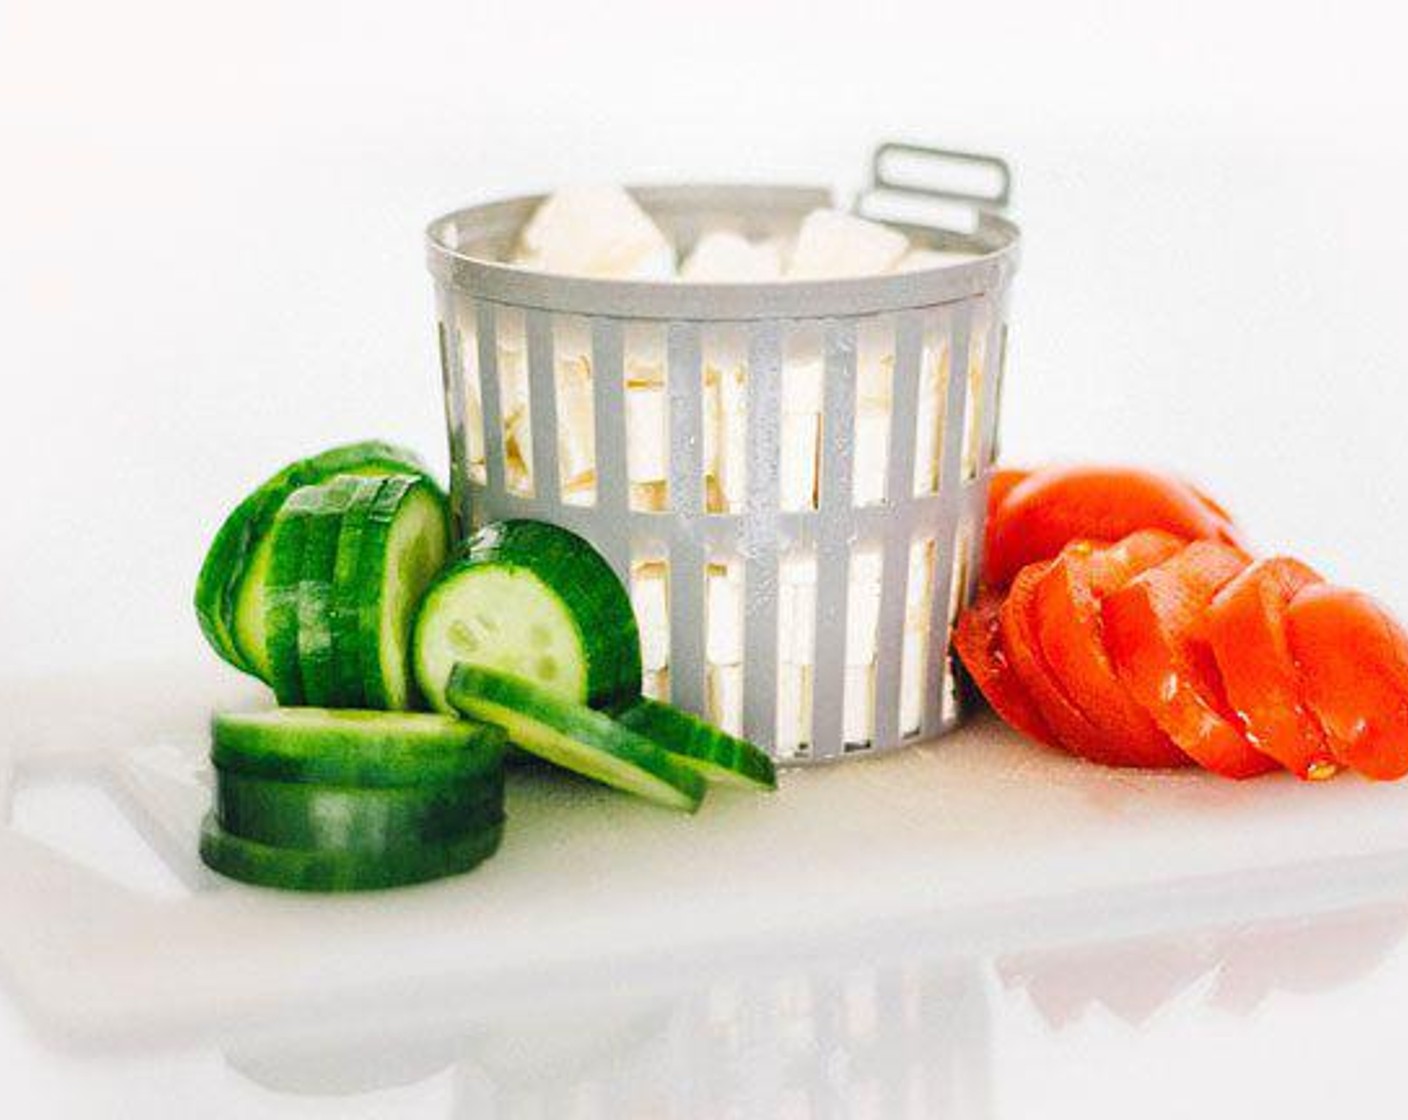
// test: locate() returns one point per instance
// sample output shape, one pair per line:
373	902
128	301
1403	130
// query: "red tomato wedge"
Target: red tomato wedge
1353	659
1151	634
978	640
1246	627
1071	634
1067	723
1044	512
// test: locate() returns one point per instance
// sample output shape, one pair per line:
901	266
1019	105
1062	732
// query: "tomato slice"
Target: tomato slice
1067	723
1353	659
977	638
1246	627
1151	633
1071	633
1044	512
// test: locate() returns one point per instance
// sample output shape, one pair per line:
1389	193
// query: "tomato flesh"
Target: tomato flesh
1067	723
1070	631
1246	627
1151	632
977	638
1353	660
1045	511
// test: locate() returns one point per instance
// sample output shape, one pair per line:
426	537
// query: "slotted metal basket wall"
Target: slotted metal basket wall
790	476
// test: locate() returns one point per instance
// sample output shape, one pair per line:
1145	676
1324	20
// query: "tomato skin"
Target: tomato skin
1070	630
1044	512
1246	627
977	638
1151	634
1002	482
1067	723
1353	659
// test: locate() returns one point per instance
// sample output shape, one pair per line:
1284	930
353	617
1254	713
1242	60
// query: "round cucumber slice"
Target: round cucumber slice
535	601
574	737
281	585
349	689
401	547
383	750
230	556
717	755
315	593
296	869
341	819
251	635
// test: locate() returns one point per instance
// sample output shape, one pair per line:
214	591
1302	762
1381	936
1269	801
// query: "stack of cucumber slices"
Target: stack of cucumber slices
318	800
331	584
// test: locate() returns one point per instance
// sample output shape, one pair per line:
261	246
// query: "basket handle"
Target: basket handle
977	182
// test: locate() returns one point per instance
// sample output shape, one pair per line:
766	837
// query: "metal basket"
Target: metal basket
790	476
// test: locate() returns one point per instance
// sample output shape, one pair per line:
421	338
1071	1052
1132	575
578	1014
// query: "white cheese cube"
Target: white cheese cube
858	717
912	677
650	600
576	432
835	245
724	614
929	415
647	433
794	708
727	257
724	697
863	608
796	610
918	259
647	355
726	438
803	379
595	231
919	588
797	460
871	453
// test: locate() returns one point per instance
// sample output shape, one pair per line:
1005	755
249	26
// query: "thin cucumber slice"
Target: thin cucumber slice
295	869
315	593
251	635
717	755
231	554
575	737
287	540
383	750
342	819
348	686
537	602
401	548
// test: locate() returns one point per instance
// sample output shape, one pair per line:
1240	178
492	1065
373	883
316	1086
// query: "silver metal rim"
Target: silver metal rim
995	239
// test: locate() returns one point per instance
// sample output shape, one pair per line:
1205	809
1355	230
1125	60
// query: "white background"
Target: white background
210	262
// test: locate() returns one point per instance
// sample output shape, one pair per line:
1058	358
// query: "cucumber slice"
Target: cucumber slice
537	602
717	755
348	688
231	554
251	635
383	750
280	596
315	593
296	869
401	547
574	737
343	819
